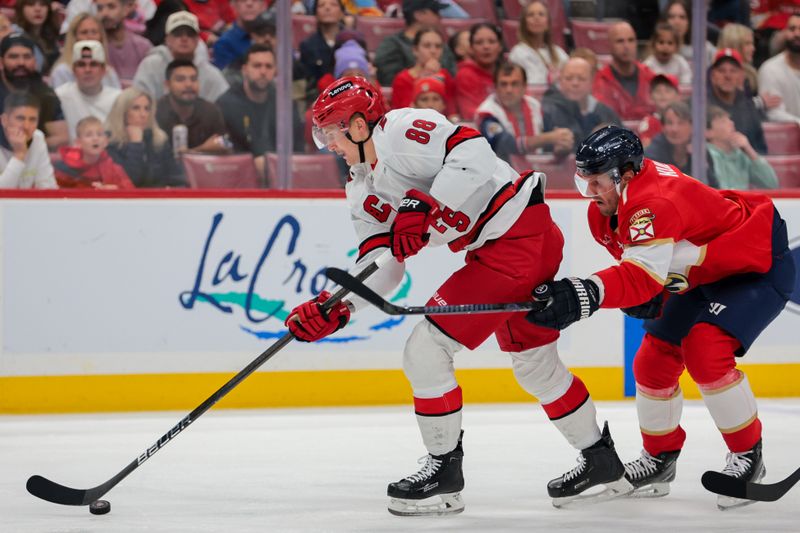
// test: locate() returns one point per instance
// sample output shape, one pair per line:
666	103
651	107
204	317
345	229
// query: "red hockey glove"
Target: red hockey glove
409	233
308	322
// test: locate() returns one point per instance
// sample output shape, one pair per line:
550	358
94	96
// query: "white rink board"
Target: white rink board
111	286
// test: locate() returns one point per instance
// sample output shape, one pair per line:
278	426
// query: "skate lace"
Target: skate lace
575	472
430	467
738	464
641	467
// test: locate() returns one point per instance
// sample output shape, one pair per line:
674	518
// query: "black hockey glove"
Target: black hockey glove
649	309
564	301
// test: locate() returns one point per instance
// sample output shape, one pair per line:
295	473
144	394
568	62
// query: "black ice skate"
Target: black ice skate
747	466
597	465
434	490
651	475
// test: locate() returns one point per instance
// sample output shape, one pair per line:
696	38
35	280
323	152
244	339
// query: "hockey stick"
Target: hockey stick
51	491
355	286
719	483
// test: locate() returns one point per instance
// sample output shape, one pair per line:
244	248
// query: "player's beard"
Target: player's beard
257	88
21	77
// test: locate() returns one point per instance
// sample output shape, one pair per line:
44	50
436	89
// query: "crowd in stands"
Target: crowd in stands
115	93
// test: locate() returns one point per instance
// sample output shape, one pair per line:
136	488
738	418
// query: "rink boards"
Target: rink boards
152	301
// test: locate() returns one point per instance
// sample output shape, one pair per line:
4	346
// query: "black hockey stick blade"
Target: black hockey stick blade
719	483
51	491
355	286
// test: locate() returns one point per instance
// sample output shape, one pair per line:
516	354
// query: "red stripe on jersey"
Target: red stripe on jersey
569	402
450	402
500	198
371	243
626	285
462	133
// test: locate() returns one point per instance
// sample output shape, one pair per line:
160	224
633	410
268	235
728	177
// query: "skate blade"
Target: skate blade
614	489
653	490
439	505
726	503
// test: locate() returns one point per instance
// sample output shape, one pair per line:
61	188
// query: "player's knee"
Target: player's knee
428	360
541	372
654	362
709	353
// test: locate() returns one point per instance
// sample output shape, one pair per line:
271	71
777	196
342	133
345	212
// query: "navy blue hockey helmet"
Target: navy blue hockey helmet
609	149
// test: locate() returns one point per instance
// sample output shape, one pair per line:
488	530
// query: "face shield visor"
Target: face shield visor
594	185
327	135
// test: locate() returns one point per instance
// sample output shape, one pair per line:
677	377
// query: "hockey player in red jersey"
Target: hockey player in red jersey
707	269
418	180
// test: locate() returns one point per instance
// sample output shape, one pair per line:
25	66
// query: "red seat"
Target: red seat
453	26
782	137
560	172
537	91
309	171
375	29
787	167
592	34
479	9
302	27
236	171
510	32
513	8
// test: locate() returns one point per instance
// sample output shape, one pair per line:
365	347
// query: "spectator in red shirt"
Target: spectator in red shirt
428	47
429	93
475	76
88	165
663	92
624	85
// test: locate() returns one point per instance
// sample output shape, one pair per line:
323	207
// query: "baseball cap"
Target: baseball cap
16	39
263	24
182	18
94	48
665	79
409	6
428	85
727	54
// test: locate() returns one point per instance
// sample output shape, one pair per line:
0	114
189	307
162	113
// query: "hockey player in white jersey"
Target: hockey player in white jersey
418	180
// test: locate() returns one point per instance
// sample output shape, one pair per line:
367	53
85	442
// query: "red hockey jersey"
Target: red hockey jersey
673	232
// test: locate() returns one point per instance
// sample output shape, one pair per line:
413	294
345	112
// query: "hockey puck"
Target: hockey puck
100	507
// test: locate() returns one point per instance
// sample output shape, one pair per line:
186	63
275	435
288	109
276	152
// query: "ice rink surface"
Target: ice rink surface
327	470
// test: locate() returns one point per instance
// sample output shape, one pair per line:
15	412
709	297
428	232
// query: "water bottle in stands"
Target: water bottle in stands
180	139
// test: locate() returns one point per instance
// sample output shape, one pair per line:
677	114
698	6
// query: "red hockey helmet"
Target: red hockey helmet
341	100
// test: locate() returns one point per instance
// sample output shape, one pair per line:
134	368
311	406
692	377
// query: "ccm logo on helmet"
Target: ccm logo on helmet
336	90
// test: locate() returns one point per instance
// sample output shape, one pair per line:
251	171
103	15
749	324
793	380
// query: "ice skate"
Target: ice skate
434	490
747	466
597	465
651	475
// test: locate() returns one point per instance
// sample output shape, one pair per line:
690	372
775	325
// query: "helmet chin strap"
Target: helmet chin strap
361	155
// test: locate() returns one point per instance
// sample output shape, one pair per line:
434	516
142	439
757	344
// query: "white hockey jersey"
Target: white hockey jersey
480	195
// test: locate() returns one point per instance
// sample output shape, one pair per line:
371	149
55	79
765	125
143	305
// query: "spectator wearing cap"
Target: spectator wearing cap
84	27
663	92
569	103
182	105
24	160
235	42
724	91
86	96
624	84
249	107
428	48
19	75
430	93
316	50
125	48
396	51
512	121
781	75
180	43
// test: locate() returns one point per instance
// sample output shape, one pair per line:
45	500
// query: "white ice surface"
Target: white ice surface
327	470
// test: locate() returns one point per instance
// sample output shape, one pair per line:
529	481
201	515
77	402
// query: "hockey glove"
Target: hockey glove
649	309
309	322
564	301
409	233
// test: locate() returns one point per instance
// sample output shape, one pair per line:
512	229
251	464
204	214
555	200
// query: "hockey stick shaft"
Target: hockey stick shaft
355	286
45	489
719	483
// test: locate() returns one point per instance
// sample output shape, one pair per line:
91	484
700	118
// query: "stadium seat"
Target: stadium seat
560	172
375	29
783	138
510	32
592	34
787	167
453	26
478	9
236	171
537	91
309	171
302	27
513	8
